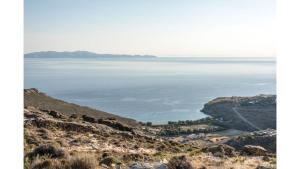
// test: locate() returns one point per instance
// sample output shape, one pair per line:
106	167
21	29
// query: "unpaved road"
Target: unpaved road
244	119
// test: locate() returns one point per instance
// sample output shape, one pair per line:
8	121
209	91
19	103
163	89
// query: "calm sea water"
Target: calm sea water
156	90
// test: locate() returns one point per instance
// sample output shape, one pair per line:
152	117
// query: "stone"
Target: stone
88	119
220	150
55	114
181	162
254	150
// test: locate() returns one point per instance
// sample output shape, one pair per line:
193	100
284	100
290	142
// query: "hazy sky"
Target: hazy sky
157	27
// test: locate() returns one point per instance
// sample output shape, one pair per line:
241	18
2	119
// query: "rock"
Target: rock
220	150
109	161
133	157
55	114
264	138
266	158
229	151
264	167
74	116
105	154
179	162
154	165
140	166
88	119
31	90
115	124
162	166
68	126
45	110
254	150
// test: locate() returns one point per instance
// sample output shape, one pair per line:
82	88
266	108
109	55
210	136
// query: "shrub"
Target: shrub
179	162
83	162
133	157
109	160
40	163
48	150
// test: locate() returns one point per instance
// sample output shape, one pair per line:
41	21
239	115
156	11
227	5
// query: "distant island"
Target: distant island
83	54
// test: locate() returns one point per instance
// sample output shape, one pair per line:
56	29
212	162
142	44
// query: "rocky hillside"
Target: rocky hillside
35	98
57	139
263	138
244	113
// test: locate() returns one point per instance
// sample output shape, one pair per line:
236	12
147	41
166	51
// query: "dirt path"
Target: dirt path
244	119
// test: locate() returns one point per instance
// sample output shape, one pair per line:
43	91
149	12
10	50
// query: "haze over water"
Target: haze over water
156	90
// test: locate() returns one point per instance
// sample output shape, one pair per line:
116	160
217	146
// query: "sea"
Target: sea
154	90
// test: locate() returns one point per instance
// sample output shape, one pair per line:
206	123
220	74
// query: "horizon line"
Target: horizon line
160	56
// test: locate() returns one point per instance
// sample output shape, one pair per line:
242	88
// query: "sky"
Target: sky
185	28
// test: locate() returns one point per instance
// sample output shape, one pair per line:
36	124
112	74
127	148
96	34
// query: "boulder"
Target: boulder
179	162
115	124
264	138
55	114
74	116
88	119
31	90
221	150
154	165
254	150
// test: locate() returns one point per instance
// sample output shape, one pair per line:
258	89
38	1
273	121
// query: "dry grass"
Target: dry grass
244	162
42	163
83	161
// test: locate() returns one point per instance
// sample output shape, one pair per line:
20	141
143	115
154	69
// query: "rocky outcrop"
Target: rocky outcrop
56	137
263	138
244	113
181	162
254	150
79	135
88	119
220	150
115	124
155	165
69	126
31	90
35	98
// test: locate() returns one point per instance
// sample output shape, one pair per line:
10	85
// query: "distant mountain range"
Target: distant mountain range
82	54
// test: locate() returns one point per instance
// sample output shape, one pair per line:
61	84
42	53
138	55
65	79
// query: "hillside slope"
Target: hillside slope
62	135
35	98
